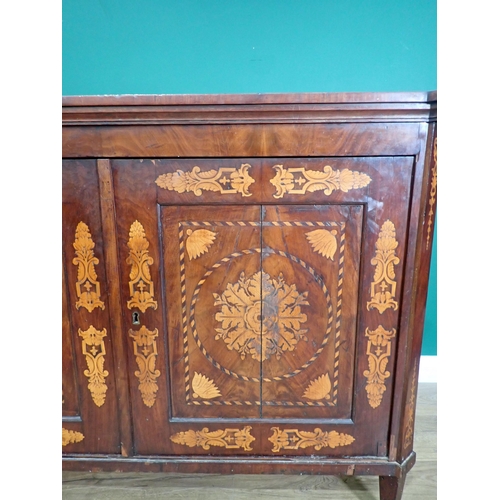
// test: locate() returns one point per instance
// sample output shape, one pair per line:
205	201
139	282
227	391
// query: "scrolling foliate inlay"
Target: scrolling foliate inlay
198	242
244	304
378	351
225	180
204	388
88	289
69	437
140	284
293	439
145	351
432	196
383	286
94	351
299	180
225	438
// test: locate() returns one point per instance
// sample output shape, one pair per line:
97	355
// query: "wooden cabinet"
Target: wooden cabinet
244	281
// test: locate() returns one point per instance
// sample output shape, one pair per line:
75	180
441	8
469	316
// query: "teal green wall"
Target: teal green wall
247	46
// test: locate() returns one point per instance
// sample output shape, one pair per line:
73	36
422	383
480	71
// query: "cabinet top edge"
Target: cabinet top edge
234	99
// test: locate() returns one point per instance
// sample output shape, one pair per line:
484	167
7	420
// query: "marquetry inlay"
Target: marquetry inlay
88	289
378	351
140	284
225	438
250	303
145	351
411	404
319	388
432	196
204	388
225	180
198	242
261	316
299	180
69	437
323	241
383	286
94	351
293	439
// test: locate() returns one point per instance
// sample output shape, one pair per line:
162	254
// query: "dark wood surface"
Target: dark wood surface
260	343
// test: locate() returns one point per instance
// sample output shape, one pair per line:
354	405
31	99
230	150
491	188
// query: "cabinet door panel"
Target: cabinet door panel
310	261
212	264
90	413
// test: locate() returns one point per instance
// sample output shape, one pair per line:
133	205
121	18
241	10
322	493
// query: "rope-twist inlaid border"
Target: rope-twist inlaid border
241	253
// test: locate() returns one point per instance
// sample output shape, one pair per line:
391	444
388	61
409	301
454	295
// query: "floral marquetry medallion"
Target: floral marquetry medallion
260	316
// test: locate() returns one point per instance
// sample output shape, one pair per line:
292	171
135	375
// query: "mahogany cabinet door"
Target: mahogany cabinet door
89	403
261	299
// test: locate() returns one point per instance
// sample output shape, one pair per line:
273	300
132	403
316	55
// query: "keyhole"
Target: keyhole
135	318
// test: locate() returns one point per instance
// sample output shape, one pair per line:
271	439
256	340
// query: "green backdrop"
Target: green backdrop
248	46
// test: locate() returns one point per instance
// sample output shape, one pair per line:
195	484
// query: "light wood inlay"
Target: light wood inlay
411	404
145	351
69	437
204	388
88	289
299	180
198	242
319	388
225	438
94	351
244	304
140	284
293	439
324	242
383	287
432	196
378	351
225	180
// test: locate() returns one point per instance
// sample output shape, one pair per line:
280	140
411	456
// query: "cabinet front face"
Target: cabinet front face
262	301
89	404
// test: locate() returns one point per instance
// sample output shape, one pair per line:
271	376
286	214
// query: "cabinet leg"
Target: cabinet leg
391	488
